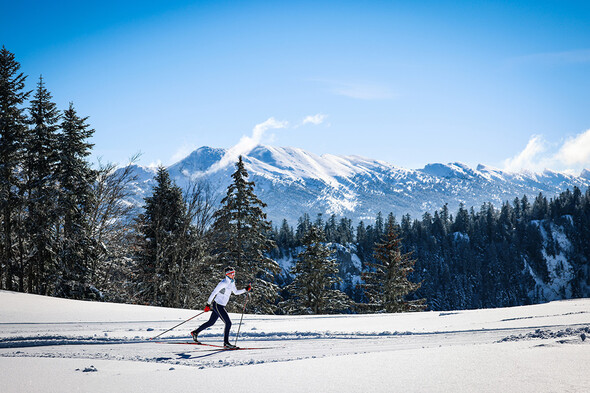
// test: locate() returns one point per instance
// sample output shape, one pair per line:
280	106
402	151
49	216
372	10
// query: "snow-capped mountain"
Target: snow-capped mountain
292	181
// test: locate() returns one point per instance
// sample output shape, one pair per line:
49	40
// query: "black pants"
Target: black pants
218	312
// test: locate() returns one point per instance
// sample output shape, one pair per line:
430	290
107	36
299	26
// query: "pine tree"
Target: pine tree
344	232
160	267
285	238
378	227
331	229
461	223
12	132
386	282
303	225
241	237
41	190
314	287
76	178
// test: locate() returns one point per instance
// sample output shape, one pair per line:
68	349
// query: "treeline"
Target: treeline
47	201
520	253
66	228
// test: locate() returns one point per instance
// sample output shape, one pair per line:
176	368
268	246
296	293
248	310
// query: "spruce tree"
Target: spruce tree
160	266
241	238
12	133
386	283
285	238
331	229
303	225
345	233
40	170
76	178
314	287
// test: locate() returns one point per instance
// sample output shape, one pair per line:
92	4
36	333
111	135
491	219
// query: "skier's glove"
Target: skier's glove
207	308
249	288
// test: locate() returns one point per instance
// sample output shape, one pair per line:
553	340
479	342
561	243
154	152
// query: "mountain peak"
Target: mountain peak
451	170
199	160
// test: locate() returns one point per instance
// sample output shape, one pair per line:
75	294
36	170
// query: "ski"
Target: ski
220	347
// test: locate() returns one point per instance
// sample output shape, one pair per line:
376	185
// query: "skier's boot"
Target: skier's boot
229	346
195	334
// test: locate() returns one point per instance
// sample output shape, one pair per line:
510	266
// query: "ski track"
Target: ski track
129	341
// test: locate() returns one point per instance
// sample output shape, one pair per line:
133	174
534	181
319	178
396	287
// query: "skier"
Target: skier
217	302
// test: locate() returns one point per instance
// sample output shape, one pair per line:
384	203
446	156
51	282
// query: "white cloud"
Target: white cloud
571	156
530	158
315	119
155	164
248	143
576	151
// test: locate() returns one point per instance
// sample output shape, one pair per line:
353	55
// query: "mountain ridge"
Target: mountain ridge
292	181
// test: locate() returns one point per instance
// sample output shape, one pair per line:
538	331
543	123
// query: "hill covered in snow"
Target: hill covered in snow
292	181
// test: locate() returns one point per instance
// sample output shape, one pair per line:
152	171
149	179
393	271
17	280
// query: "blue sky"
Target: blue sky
506	84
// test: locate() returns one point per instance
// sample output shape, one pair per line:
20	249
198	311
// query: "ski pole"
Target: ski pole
240	326
177	325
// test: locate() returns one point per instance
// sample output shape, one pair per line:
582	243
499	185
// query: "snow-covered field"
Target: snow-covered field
56	345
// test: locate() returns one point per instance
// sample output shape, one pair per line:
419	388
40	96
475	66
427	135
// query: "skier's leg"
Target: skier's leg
225	318
209	323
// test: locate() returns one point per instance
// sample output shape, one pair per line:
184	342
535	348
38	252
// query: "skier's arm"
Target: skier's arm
241	291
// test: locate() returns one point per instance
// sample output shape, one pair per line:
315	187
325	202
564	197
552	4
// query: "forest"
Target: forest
523	252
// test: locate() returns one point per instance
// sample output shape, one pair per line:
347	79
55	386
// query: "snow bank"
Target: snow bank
57	345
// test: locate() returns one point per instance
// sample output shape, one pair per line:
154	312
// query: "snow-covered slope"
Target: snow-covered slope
57	345
292	181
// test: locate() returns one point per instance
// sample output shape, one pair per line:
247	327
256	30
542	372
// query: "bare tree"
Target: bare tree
200	207
111	223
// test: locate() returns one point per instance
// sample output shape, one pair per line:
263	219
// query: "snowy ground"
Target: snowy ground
57	345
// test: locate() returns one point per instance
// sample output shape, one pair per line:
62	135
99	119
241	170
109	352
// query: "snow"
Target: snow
561	272
58	345
292	181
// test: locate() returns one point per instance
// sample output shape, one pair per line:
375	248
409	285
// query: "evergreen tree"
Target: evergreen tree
160	267
303	225
285	237
241	237
386	283
344	232
313	290
540	208
12	133
75	201
379	231
331	229
525	206
42	191
461	223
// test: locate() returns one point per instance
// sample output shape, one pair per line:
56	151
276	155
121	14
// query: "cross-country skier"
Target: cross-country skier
217	302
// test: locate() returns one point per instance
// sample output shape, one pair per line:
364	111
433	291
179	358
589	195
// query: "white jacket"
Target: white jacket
223	291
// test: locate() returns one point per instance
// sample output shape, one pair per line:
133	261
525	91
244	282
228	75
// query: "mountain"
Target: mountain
292	181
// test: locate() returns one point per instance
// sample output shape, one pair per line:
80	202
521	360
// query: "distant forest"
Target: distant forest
523	252
67	229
